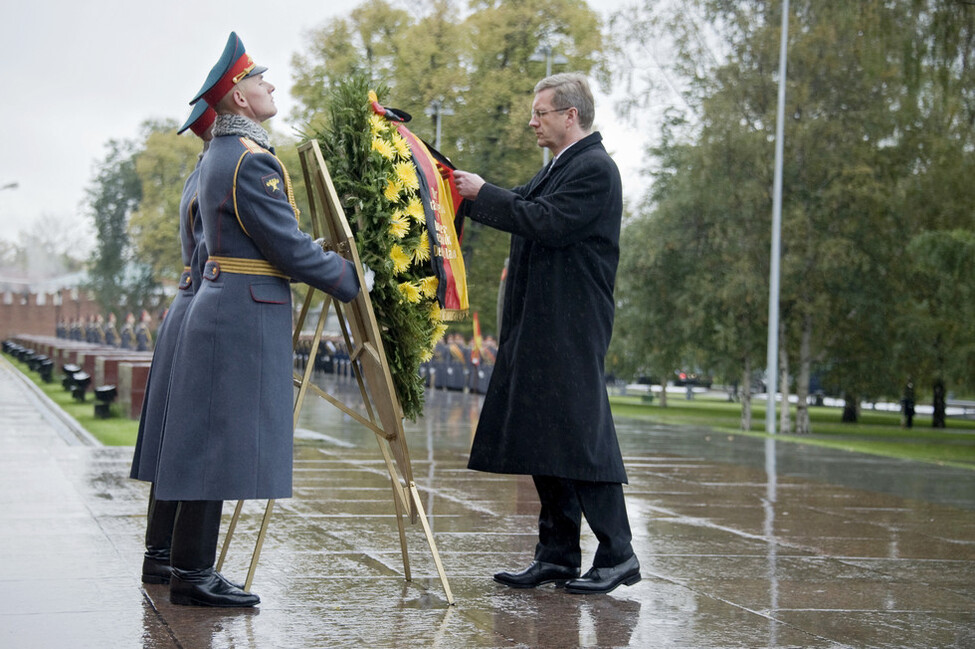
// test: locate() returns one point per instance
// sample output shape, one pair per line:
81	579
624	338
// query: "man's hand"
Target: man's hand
468	184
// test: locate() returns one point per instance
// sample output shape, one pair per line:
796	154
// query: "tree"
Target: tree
112	196
940	318
162	165
855	91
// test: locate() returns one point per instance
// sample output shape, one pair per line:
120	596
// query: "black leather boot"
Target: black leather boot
194	581
159	539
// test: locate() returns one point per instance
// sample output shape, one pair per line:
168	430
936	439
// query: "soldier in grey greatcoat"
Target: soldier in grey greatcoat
228	432
161	514
546	412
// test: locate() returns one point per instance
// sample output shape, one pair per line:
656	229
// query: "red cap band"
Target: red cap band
234	74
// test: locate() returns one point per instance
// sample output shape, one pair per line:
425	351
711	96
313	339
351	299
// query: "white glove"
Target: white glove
369	276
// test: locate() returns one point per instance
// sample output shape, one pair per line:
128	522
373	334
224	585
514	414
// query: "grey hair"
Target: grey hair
571	89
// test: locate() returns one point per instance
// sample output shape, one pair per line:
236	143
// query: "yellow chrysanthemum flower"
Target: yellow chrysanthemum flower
422	251
438	332
435	313
402	148
399	227
392	191
373	96
406	173
410	292
378	125
426	355
384	148
428	286
401	260
414	208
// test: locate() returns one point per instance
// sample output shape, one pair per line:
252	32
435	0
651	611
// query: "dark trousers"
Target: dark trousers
159	526
564	503
195	534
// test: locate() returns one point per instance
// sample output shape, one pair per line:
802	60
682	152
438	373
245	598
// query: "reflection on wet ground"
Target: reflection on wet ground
744	543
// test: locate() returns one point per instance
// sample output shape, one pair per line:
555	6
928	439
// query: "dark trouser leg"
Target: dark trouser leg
159	526
558	522
159	539
195	534
603	506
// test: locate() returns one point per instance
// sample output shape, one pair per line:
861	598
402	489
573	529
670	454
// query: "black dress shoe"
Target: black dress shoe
538	573
603	580
158	571
207	588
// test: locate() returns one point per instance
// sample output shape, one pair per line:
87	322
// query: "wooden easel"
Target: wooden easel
361	333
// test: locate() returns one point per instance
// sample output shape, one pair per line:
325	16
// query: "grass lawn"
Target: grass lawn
115	431
877	433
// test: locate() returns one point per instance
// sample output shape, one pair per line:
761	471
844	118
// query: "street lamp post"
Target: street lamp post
545	53
772	356
435	110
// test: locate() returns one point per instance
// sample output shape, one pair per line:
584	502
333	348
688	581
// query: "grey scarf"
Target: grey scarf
240	125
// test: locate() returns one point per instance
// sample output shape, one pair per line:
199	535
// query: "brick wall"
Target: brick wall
38	313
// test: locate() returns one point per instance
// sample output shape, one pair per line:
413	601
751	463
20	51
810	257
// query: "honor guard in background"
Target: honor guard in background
161	514
90	335
228	432
143	337
75	330
546	412
127	335
100	329
111	333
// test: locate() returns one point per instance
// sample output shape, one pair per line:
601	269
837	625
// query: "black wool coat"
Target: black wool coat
546	411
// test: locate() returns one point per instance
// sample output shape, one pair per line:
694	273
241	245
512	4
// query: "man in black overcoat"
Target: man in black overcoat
546	412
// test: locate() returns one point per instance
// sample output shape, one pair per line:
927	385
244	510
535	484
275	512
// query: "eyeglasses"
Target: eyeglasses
539	114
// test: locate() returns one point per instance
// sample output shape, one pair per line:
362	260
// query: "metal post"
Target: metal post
773	299
435	110
544	53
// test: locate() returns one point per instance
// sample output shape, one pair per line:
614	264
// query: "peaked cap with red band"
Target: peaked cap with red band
200	119
234	65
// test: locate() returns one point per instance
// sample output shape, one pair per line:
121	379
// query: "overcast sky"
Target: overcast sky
81	73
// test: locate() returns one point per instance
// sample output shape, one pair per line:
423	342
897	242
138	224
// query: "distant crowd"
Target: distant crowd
98	330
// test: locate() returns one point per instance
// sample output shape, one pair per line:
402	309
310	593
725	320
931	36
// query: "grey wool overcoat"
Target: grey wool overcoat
157	386
228	433
546	411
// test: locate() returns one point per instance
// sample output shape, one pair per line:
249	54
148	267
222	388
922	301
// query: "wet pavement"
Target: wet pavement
743	543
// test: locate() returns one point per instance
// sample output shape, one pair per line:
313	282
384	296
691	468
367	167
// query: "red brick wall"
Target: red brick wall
37	314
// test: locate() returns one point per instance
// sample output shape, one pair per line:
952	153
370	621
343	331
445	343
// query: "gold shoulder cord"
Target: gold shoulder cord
288	187
237	171
251	147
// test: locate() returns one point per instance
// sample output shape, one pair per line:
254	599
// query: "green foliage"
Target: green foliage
162	166
113	195
376	181
878	139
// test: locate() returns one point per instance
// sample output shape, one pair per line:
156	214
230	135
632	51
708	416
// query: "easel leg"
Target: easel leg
230	534
402	531
433	546
259	545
